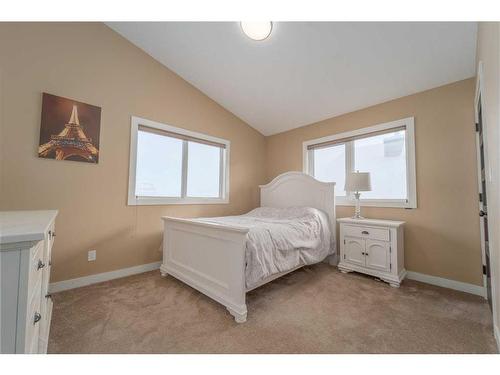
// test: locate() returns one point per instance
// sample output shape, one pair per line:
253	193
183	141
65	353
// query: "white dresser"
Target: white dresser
373	247
26	239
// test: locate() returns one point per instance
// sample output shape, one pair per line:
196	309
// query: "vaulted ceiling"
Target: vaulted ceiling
308	71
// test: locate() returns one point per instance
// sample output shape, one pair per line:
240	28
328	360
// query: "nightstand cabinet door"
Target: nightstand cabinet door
354	251
378	255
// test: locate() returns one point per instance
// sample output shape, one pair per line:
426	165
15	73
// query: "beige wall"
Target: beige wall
93	64
442	234
488	52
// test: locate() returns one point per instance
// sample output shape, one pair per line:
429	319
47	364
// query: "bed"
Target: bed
226	257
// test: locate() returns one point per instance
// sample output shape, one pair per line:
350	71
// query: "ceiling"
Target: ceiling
308	71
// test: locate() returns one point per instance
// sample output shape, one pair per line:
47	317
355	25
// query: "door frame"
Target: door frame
479	97
493	210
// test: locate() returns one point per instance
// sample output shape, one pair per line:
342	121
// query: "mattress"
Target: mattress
281	239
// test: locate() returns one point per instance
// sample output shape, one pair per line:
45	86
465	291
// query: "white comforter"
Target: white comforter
280	239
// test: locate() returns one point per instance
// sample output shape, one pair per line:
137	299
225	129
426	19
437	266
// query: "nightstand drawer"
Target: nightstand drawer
381	234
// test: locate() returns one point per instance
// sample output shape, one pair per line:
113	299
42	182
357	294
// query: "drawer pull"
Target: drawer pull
365	232
37	318
40	264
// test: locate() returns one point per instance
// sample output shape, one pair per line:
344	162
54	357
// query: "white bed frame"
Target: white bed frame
211	257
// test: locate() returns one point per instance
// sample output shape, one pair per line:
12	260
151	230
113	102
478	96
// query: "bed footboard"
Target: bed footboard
208	257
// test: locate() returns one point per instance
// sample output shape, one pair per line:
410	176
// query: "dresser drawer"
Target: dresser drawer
381	234
51	237
33	323
42	346
46	311
47	260
35	271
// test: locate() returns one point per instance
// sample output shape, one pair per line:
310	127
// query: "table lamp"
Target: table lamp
356	182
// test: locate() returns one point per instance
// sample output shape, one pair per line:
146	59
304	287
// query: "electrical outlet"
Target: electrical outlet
91	255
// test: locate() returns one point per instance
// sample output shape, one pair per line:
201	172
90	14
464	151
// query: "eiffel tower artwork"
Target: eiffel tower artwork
68	139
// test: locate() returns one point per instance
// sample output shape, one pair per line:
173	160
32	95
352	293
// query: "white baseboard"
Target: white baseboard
447	283
105	276
100	277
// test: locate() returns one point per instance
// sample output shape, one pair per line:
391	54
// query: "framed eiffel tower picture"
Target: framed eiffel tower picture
69	130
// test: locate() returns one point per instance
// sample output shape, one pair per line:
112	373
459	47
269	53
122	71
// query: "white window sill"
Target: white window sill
376	203
168	201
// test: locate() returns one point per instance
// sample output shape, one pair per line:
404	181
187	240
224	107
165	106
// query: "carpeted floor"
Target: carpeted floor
313	310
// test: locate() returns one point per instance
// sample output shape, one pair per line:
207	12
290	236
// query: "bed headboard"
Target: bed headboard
299	189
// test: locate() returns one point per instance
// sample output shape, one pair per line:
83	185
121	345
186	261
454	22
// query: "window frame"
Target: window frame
411	178
134	200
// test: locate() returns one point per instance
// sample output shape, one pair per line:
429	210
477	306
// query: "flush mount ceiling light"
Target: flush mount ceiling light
257	30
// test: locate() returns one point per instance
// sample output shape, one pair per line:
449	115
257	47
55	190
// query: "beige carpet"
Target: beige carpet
313	310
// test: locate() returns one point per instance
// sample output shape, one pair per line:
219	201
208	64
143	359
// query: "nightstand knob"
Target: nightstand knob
365	232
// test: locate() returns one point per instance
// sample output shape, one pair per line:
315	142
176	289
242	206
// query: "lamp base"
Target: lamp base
358	217
357	210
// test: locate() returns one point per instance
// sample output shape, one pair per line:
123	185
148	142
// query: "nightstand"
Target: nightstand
374	247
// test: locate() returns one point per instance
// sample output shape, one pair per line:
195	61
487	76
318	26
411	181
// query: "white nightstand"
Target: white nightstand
374	247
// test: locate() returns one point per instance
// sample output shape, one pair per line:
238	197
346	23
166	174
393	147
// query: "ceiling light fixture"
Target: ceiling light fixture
257	30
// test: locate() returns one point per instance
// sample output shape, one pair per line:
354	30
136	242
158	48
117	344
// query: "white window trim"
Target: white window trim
133	200
411	176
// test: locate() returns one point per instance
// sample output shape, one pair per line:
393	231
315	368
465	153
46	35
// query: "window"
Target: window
329	165
387	151
170	165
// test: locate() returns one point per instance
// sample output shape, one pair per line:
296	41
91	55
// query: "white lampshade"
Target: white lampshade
358	181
